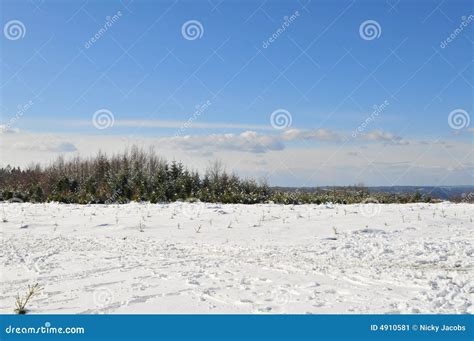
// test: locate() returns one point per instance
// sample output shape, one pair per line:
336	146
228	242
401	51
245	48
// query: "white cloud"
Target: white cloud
64	147
7	130
205	145
42	143
319	135
380	135
248	141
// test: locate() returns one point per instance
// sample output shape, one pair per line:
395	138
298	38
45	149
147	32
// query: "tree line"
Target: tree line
138	175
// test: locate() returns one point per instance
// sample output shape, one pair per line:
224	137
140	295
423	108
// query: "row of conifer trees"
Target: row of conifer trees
138	175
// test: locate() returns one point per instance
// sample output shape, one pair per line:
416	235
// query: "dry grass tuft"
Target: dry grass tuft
21	303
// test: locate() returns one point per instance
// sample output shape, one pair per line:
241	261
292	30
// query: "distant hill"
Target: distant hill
436	192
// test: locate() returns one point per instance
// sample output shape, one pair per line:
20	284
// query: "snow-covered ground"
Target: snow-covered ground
211	258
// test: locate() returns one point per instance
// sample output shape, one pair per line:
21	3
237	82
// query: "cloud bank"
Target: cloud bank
294	157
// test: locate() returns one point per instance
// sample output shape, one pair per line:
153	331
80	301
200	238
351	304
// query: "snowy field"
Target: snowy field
211	258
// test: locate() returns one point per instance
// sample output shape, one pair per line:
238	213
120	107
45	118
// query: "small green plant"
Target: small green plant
21	303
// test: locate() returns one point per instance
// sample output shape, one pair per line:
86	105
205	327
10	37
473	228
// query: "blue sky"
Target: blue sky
320	70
